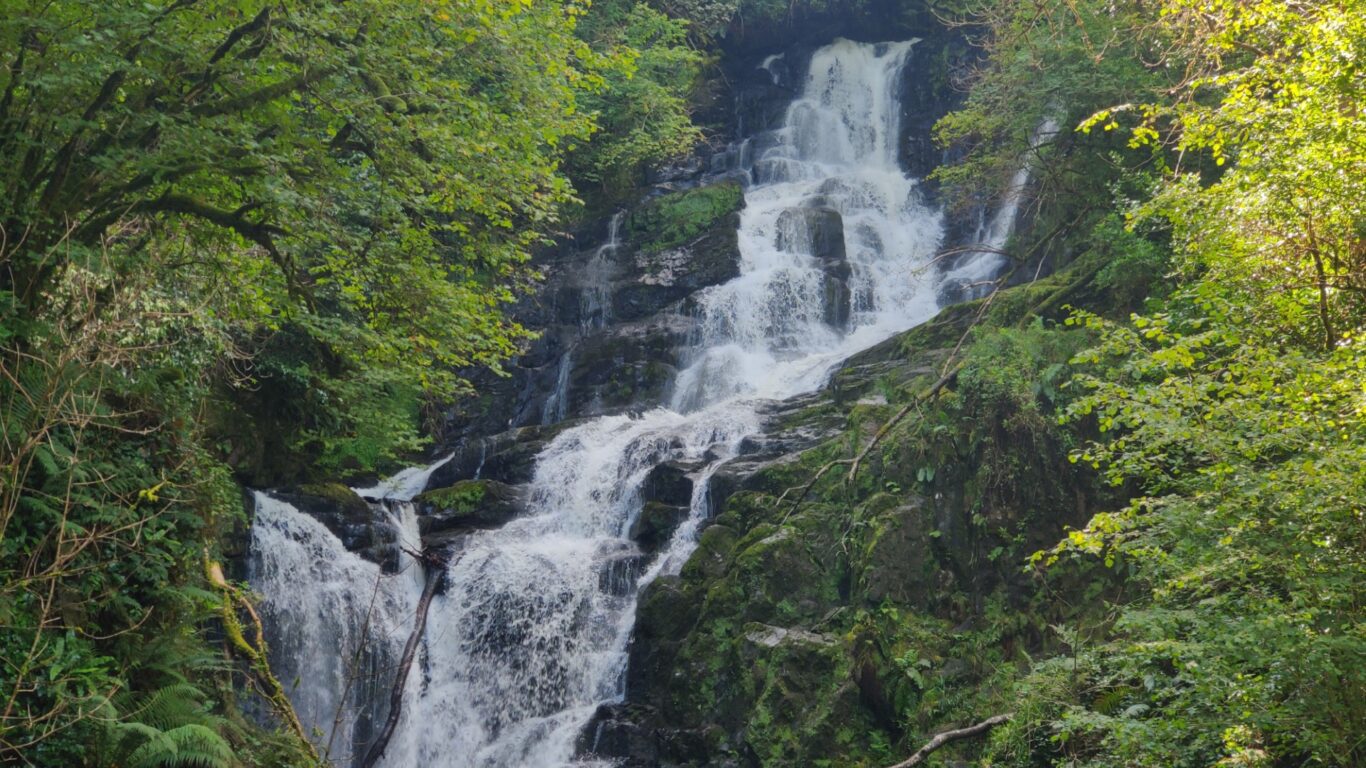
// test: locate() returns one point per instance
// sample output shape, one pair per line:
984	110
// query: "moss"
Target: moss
337	494
673	220
463	497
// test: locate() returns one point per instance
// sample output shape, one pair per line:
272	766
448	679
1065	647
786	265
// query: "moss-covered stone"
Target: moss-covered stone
672	220
445	514
335	493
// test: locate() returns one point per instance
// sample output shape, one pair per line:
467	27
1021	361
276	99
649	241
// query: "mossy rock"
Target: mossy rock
447	513
674	219
464	497
347	500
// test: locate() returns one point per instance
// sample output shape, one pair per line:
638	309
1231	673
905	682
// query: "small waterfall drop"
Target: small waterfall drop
531	633
976	268
337	620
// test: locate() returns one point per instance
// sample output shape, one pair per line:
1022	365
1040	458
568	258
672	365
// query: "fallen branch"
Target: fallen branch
941	739
233	600
431	563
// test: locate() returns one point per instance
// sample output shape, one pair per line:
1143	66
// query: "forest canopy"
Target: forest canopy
255	240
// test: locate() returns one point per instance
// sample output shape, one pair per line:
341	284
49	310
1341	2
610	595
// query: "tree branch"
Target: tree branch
941	739
432	564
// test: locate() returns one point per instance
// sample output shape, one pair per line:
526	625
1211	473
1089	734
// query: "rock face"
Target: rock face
771	646
803	633
362	528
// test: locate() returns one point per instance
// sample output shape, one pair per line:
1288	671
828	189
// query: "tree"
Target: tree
237	236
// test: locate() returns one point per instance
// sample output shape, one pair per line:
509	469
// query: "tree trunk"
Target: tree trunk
430	566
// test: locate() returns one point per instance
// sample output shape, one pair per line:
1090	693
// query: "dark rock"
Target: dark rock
656	525
655	279
669	483
622	733
619	569
362	528
623	367
818	231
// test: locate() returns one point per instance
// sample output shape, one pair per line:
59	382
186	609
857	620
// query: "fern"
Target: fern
172	728
188	746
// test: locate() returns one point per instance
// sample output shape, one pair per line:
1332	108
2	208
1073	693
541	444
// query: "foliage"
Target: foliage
1233	405
241	236
642	111
1045	66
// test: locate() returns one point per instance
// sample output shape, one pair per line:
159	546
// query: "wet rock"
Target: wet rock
622	733
446	513
362	528
669	483
658	279
619	569
819	232
656	524
627	366
508	457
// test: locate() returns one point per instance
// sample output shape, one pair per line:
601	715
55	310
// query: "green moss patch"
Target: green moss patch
675	219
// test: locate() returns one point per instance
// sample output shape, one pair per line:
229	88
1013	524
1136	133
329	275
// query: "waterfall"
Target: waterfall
338	623
531	633
976	267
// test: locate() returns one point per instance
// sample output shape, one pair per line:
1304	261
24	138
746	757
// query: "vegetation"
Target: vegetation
1232	404
254	241
251	242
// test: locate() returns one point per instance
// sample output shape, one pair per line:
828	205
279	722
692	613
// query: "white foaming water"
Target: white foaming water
765	334
978	267
337	622
404	485
531	633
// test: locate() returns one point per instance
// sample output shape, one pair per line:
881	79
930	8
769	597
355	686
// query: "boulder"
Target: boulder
362	528
445	514
656	525
669	483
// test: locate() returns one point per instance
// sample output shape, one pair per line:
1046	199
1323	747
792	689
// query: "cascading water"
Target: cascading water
531	633
970	279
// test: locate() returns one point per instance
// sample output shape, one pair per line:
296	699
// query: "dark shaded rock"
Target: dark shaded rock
362	528
655	279
669	483
817	231
837	302
619	569
508	457
616	733
656	524
624	367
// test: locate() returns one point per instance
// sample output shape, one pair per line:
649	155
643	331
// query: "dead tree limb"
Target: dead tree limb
941	739
432	564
